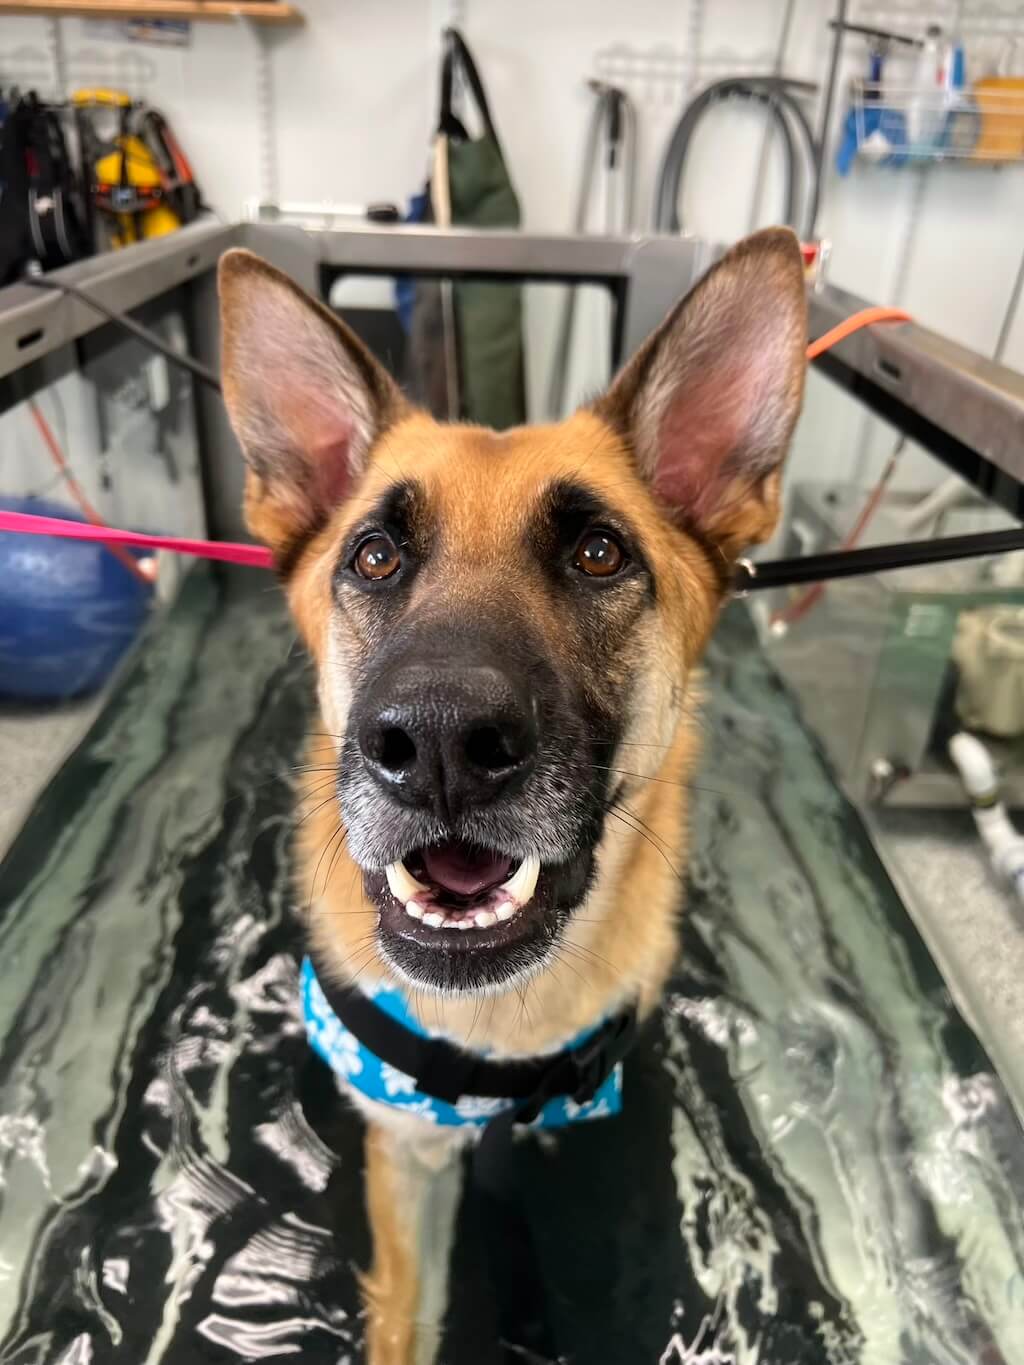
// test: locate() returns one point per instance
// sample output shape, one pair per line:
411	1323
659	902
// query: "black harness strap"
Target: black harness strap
446	1072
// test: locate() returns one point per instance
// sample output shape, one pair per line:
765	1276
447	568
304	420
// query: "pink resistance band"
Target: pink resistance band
230	551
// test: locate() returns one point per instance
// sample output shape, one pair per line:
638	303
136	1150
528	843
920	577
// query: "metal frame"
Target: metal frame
647	273
33	322
967	410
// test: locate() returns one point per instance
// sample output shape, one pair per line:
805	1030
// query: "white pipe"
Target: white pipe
930	508
978	774
974	764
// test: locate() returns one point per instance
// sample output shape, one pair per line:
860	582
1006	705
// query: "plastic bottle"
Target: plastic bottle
926	114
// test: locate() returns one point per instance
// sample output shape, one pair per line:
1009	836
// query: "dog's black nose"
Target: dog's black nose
448	738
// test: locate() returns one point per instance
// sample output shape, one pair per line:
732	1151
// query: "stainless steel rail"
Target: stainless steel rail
33	322
918	377
968	410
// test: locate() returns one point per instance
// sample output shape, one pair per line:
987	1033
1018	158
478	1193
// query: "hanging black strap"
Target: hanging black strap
781	573
456	53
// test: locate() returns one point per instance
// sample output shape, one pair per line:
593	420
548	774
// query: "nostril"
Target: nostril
486	747
395	750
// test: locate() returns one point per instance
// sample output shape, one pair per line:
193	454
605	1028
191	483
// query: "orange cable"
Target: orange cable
865	318
90	513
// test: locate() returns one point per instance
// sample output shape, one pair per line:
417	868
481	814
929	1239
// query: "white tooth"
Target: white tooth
506	910
413	909
463	922
523	882
433	919
483	919
402	883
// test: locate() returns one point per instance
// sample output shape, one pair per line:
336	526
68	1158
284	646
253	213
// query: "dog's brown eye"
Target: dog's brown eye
377	557
599	555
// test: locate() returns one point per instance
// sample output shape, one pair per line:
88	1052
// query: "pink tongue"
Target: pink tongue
464	870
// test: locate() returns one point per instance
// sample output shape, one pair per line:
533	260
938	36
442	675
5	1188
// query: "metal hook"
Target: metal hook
749	568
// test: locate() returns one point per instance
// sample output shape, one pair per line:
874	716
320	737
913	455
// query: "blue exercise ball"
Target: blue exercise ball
68	610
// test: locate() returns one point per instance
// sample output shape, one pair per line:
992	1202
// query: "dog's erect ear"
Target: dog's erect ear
305	397
709	402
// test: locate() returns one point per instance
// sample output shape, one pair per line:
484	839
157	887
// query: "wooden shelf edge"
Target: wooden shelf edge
271	12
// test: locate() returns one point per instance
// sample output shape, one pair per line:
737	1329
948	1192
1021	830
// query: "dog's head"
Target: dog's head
503	624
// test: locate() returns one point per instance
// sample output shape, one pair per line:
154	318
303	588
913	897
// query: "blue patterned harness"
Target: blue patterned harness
350	1058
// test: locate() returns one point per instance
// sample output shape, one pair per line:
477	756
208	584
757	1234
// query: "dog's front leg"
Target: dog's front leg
413	1176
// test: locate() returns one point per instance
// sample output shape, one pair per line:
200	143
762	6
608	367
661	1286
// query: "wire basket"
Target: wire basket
896	126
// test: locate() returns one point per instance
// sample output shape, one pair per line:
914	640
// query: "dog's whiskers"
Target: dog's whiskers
650	777
563	961
619	804
339	833
619	815
523	1008
322	805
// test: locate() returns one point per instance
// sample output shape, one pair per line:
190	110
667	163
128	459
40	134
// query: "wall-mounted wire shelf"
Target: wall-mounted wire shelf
898	126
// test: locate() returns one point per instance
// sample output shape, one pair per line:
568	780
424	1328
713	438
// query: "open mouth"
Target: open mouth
459	916
463	887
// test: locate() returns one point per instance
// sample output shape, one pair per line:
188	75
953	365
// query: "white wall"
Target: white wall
354	93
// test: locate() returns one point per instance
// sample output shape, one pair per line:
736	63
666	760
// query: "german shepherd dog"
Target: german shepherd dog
506	628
